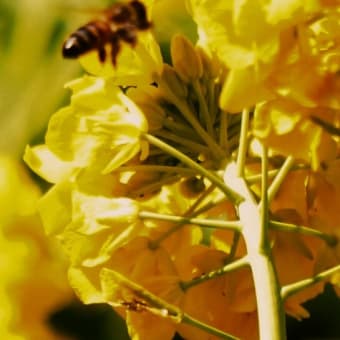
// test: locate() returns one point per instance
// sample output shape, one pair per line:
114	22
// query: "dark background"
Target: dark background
101	323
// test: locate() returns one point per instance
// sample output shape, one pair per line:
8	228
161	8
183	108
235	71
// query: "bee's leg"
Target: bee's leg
128	33
101	53
115	48
142	20
327	126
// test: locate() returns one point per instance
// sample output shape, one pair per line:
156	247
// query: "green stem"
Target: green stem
230	267
233	196
264	208
203	107
181	129
190	117
234	125
223	138
156	168
267	288
193	146
256	178
207	223
234	244
274	172
158	306
280	177
296	287
190	213
288	227
209	329
233	143
270	309
212	104
269	304
241	157
209	205
194	208
211	143
242	151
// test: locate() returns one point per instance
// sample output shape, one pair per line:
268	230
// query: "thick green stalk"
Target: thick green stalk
271	314
269	304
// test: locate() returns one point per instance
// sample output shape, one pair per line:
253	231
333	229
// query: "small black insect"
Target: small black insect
333	130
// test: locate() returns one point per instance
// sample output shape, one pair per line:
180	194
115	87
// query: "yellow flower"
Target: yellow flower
170	201
243	88
294	258
225	302
155	272
47	165
286	127
90	227
272	48
151	269
304	199
117	202
292	195
28	290
322	189
99	226
16	186
101	130
147	97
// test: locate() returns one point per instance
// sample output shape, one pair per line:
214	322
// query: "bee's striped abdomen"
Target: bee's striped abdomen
119	24
87	38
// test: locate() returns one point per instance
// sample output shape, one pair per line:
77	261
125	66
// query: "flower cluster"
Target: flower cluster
157	193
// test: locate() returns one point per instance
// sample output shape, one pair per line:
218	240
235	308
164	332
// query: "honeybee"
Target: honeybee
119	23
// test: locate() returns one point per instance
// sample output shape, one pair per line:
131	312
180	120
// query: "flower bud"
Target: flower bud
146	98
155	115
210	64
185	59
192	187
175	84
